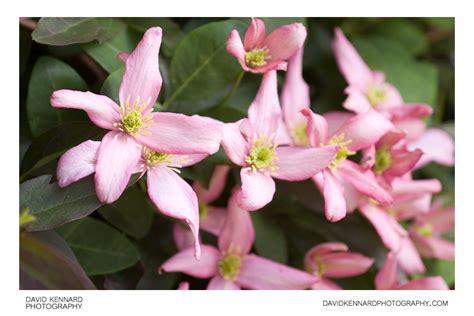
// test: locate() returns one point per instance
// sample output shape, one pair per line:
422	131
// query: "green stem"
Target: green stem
234	88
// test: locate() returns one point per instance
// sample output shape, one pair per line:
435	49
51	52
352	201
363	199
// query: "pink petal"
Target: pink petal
403	189
333	192
101	110
297	164
356	100
410	110
216	185
364	130
433	247
235	47
429	283
386	226
122	56
254	35
363	181
116	160
183	236
349	61
174	197
257	189
390	138
386	278
183	286
295	92
317	128
345	264
174	133
285	41
324	248
325	284
142	79
234	144
336	119
437	145
219	283
214	220
77	163
402	162
409	259
409	208
264	113
185	262
186	160
442	221
413	128
258	273
393	99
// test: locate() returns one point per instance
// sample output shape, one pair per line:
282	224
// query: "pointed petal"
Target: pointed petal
184	262
77	163
174	133
219	283
186	160
142	78
234	144
116	160
409	258
183	236
297	164
264	113
216	185
214	219
235	47
238	232
317	128
410	110
325	285
386	278
295	92
437	145
101	110
356	100
345	264
257	189
364	130
429	283
336	119
354	69
406	189
285	41
174	197
402	162
364	181
258	273
433	247
333	192
442	221
324	248
386	226
254	35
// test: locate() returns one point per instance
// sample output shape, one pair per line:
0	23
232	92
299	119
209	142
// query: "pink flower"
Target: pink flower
231	266
390	158
437	146
183	286
133	125
252	144
260	53
386	279
353	134
333	260
211	218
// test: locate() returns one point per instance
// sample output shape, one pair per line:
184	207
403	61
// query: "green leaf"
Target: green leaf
202	71
132	213
99	248
172	34
50	74
111	85
55	142
66	31
440	22
416	81
46	262
25	48
444	268
105	54
270	240
53	206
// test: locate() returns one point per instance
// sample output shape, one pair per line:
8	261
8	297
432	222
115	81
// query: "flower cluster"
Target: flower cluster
287	142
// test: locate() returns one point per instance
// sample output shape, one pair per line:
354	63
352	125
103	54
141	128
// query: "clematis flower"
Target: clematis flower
260	53
211	218
353	134
231	266
133	125
332	260
172	195
427	229
437	146
386	278
252	144
389	157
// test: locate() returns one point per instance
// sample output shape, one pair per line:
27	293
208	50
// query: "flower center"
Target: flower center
425	230
300	135
343	152
229	266
320	266
133	119
383	160
152	158
262	156
376	95
257	57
